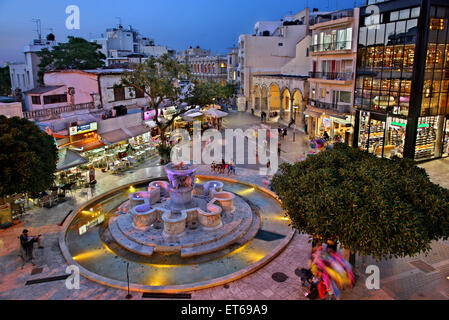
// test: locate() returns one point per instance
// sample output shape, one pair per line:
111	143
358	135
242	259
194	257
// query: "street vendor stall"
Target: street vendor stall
215	117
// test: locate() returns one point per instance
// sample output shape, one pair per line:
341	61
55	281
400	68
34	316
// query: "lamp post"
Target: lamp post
294	126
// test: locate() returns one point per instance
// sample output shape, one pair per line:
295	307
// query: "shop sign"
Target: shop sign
83	128
148	115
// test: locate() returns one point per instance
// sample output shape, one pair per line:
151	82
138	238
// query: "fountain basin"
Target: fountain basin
174	224
137	198
225	200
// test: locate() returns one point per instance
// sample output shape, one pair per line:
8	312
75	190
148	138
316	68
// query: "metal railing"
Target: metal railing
336	107
333	46
332	75
54	113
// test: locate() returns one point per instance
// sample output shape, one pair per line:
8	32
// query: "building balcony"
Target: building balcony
333	107
334	46
342	76
54	113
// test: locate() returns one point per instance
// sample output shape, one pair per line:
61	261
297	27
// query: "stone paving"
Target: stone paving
399	278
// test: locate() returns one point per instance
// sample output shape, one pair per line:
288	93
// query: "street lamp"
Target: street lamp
294	126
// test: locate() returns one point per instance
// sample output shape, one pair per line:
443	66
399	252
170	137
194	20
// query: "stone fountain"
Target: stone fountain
182	216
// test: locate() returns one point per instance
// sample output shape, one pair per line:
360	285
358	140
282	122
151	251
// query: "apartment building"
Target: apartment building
333	54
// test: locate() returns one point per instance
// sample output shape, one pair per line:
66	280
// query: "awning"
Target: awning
137	130
215	113
114	136
312	113
68	159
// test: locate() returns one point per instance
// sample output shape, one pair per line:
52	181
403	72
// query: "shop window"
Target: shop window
57	98
35	99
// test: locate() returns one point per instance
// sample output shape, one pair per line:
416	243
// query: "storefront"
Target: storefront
84	137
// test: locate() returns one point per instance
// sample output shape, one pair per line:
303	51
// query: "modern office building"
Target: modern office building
402	79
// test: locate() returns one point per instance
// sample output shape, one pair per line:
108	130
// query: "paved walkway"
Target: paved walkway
399	278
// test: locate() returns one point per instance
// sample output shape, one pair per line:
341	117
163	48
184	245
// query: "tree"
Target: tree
5	81
77	53
158	79
28	157
379	207
228	90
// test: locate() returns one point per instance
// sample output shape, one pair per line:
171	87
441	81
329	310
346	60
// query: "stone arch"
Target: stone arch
298	102
264	99
202	68
256	95
286	105
274	98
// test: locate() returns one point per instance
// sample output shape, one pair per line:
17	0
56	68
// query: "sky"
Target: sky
178	24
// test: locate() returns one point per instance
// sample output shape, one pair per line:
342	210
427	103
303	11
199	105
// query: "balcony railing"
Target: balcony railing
54	113
344	76
336	107
333	46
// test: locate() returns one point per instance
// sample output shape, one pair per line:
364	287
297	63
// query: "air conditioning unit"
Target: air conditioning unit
71	91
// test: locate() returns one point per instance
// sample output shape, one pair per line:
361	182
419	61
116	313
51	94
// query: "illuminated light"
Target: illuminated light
108	249
88	254
132	189
158	278
247	191
285	218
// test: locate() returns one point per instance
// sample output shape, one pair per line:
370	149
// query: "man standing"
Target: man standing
26	243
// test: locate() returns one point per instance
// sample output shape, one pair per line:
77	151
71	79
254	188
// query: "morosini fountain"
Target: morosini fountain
187	232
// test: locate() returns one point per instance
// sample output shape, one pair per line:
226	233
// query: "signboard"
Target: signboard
83	128
148	115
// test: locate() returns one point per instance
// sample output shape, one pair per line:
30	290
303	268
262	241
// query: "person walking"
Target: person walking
280	132
279	148
284	133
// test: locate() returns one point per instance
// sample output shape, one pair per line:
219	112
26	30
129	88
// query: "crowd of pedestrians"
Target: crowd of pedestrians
223	167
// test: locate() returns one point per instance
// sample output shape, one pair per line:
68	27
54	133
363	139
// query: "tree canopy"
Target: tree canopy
379	207
77	53
158	78
28	157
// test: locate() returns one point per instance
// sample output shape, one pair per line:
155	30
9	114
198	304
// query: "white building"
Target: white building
272	45
121	45
24	75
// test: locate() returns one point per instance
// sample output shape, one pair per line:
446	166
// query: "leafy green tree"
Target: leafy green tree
228	90
77	53
158	78
5	81
379	207
28	157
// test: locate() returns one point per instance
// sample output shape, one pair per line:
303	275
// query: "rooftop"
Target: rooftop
43	89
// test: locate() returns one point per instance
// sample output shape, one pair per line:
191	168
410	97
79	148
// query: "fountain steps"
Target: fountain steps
142	237
127	243
222	243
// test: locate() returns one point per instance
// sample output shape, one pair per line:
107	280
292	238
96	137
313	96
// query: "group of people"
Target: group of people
223	167
329	273
282	132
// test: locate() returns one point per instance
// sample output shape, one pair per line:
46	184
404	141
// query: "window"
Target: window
35	99
57	98
394	15
323	93
119	93
415	12
345	96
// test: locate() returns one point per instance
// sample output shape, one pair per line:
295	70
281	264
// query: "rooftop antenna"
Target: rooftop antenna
38	28
119	21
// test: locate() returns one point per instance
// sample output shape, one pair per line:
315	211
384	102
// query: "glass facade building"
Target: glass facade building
402	79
